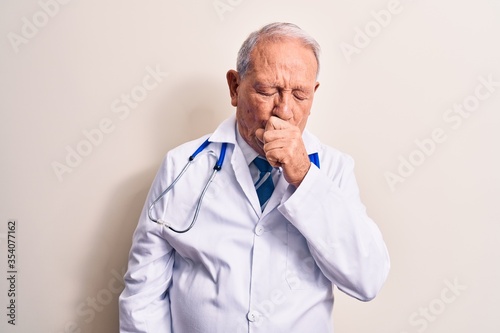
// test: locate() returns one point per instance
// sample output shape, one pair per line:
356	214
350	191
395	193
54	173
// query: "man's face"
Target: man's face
280	81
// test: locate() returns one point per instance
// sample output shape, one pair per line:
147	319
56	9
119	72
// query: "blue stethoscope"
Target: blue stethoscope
218	165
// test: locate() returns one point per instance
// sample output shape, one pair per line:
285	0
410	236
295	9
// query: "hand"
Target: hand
283	146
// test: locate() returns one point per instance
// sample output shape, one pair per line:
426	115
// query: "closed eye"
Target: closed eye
300	95
266	93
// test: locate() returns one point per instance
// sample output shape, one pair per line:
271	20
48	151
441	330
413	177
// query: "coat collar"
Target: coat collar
226	132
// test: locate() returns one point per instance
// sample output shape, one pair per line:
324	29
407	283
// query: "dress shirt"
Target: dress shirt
250	155
240	269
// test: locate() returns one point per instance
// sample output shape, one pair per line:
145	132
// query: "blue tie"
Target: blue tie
264	185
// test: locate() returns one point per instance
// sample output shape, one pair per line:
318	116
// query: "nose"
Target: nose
283	106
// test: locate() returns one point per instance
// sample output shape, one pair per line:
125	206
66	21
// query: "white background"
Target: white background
60	79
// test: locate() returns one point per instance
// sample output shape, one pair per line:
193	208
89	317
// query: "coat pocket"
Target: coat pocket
301	269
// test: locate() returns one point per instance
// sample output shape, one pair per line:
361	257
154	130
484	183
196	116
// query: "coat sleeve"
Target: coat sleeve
144	304
345	243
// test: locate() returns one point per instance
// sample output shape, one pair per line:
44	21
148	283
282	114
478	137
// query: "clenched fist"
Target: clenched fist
283	146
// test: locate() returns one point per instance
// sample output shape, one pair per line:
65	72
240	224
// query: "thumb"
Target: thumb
259	134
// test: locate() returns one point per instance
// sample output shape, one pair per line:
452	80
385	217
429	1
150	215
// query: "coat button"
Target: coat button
253	316
259	230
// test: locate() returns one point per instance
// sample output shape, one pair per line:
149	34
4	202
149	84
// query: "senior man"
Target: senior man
270	241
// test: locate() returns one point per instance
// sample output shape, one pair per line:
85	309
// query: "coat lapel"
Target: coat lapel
279	190
244	179
226	132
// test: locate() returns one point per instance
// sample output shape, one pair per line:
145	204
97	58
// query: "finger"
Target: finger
275	123
285	150
273	160
273	135
283	134
295	166
280	151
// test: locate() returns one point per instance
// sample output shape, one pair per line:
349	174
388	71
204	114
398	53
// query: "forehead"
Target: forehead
273	58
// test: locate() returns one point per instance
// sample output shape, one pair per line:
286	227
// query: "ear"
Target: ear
316	86
233	82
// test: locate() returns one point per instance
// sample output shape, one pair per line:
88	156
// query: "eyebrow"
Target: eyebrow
262	85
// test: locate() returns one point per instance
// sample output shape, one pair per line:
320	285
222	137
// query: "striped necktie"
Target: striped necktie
264	185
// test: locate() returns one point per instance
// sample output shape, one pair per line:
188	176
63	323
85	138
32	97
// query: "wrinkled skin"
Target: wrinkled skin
273	102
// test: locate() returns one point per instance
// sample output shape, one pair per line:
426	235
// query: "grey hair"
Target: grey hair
274	31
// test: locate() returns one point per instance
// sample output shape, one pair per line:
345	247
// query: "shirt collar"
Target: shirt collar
249	153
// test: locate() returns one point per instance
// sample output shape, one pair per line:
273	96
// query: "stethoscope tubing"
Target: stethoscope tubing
217	167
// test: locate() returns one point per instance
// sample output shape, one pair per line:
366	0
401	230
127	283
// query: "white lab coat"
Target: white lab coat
243	270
